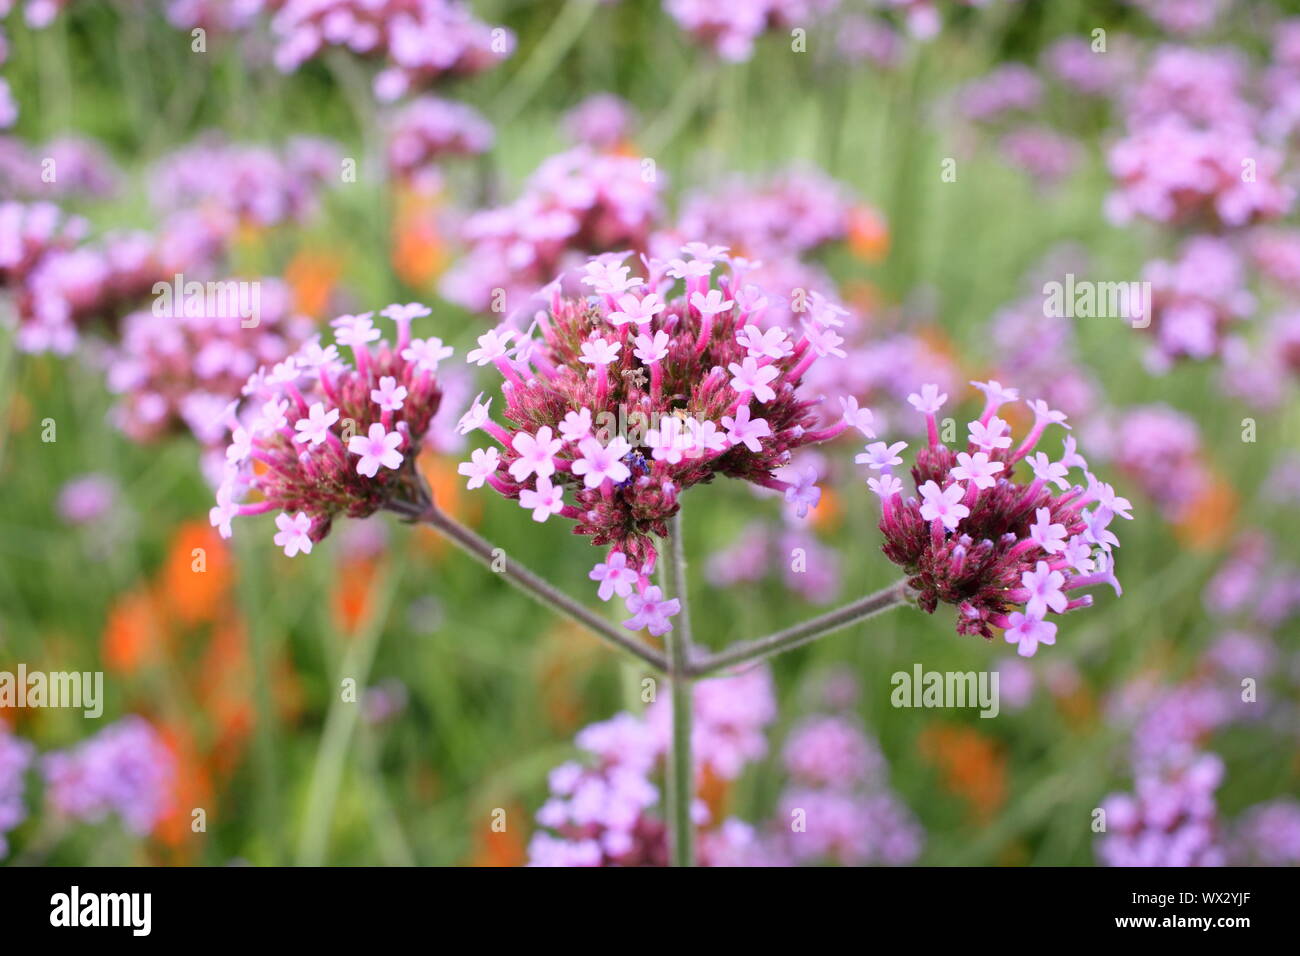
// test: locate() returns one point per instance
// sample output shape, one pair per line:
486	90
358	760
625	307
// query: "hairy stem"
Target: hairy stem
747	652
533	585
681	768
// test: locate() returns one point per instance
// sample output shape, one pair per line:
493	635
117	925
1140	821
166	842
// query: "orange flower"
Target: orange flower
191	790
354	595
868	234
196	577
419	251
502	847
973	766
312	275
134	633
1210	519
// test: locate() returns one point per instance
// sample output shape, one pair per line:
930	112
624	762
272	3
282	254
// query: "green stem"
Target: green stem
550	50
532	584
681	768
340	725
748	652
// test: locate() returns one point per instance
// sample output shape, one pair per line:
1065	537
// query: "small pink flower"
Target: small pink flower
599	351
315	427
651	611
293	536
878	455
389	395
749	376
481	466
378	447
990	436
928	401
742	431
536	454
1027	632
710	304
977	468
1045	592
944	505
615	577
651	350
600	462
545	500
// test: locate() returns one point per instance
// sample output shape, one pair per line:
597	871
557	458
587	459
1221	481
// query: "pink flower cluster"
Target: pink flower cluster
247	184
601	808
15	757
1160	448
577	203
634	394
428	129
316	437
837	806
602	121
730	27
126	769
1003	550
61	284
1171	819
81	169
418	41
791	213
182	370
1196	299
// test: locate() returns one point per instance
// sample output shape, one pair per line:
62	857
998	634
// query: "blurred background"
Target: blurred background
930	164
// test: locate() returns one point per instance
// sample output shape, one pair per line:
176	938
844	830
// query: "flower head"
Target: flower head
321	438
625	401
1005	549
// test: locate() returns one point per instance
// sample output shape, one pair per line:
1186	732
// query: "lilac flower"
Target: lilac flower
377	448
15	758
293	535
650	610
125	769
535	454
615	576
544	499
600	463
481	466
977	469
880	455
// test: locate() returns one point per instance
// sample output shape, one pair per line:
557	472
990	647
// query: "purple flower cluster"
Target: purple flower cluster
81	169
602	121
417	41
634	394
601	808
1004	551
60	283
245	184
428	129
316	437
126	769
182	370
1170	820
577	203
15	758
730	27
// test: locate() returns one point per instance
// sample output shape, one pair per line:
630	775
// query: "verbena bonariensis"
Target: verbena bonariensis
634	394
1003	549
317	437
